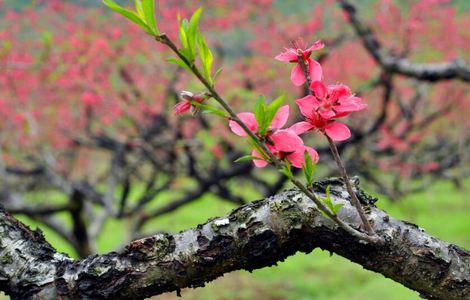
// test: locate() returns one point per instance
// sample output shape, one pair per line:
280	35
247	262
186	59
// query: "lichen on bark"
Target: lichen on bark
252	236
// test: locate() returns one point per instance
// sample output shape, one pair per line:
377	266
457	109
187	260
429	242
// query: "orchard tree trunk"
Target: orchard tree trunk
252	236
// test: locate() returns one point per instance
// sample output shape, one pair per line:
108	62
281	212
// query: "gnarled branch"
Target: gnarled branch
253	236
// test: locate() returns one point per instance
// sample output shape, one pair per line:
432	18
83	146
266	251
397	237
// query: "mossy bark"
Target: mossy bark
253	236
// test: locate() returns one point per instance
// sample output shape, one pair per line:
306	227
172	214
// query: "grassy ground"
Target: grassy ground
441	210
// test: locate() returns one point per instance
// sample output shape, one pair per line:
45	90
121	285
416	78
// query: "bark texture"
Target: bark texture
253	236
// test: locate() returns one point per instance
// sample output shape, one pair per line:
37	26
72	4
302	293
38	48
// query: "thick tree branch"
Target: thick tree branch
253	236
430	72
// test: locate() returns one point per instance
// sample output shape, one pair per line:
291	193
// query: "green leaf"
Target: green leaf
337	207
133	16
180	63
309	168
259	149
139	9
216	74
206	57
193	30
328	193
286	170
210	109
246	158
183	24
260	115
148	7
272	109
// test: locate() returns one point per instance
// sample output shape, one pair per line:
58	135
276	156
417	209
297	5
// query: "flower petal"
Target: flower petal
350	104
182	107
260	163
337	131
338	91
297	158
315	70
287	56
249	120
319	89
297	75
313	154
327	114
280	119
316	46
307	105
286	141
301	127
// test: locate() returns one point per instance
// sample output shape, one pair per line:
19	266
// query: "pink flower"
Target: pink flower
299	51
186	105
279	120
334	101
283	143
325	105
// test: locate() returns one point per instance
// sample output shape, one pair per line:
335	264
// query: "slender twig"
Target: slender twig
339	162
345	176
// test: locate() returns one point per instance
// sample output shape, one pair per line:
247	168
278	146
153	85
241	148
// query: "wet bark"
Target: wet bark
253	236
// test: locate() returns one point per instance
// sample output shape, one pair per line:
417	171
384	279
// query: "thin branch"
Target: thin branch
457	69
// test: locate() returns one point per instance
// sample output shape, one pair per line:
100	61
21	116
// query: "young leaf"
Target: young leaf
206	57
309	168
286	170
148	7
209	109
183	25
337	207
193	30
246	158
179	63
272	109
216	74
133	16
328	193
139	9
259	149
260	115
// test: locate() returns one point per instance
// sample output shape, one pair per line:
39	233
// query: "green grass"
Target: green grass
442	211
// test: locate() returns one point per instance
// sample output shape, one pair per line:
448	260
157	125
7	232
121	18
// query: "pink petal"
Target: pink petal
280	119
260	163
301	127
313	154
297	75
319	89
286	141
327	114
350	104
297	158
338	90
315	70
182	107
249	120
287	56
316	46
337	131
307	105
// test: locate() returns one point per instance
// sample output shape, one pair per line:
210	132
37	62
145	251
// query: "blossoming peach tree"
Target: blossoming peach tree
273	143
